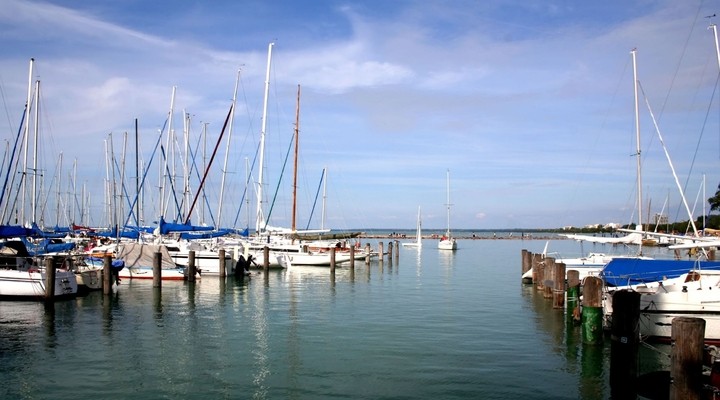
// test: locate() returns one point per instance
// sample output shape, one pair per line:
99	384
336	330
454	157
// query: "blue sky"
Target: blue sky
529	104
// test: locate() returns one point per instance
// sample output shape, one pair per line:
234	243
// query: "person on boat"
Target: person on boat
242	267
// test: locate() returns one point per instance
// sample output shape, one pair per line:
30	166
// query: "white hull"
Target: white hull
317	259
447	244
31	285
174	274
695	294
90	277
206	262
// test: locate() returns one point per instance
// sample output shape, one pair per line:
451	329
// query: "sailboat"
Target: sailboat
418	241
447	242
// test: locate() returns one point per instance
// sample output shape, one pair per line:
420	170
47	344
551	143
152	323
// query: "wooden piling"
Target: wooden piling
526	261
592	312
221	266
535	263
352	258
381	252
397	251
686	358
367	253
558	285
390	252
157	271
49	279
107	274
191	269
266	259
548	277
625	340
539	277
332	259
572	310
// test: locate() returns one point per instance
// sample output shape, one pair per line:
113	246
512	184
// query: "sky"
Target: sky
528	104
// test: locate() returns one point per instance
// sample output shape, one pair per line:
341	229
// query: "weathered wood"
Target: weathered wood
558	290
221	266
526	261
381	253
107	274
49	279
332	259
266	259
592	311
352	257
367	253
625	340
191	269
573	278
686	358
572	311
548	277
390	251
157	271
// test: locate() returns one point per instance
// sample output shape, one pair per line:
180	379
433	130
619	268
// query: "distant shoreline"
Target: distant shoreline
521	236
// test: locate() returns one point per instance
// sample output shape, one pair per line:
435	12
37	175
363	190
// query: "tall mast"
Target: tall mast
260	218
227	151
448	203
637	141
297	134
33	196
26	136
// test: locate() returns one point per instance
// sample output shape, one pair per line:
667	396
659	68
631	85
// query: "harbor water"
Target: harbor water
433	324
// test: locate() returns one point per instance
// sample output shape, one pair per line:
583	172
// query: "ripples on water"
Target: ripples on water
433	325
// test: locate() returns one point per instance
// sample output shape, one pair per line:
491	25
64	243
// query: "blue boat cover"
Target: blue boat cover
630	271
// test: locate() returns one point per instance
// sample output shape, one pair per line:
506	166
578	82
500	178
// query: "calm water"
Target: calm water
433	325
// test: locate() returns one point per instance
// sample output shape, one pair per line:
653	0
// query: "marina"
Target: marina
428	324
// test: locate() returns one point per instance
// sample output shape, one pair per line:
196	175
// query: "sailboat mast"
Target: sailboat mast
227	151
33	197
260	219
448	203
297	134
637	140
26	136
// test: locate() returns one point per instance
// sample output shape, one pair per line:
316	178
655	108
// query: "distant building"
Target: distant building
660	219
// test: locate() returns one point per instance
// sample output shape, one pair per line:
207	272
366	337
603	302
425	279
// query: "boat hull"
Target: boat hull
30	284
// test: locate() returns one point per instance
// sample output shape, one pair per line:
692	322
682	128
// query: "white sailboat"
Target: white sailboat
447	242
418	241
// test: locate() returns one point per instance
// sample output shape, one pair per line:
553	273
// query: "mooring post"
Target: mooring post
367	253
381	253
397	251
49	279
352	257
266	259
686	358
592	311
536	274
572	310
624	343
191	269
558	292
107	274
390	252
157	271
524	261
332	259
221	266
549	279
540	281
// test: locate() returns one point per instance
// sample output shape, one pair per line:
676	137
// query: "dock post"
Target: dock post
352	257
686	358
535	263
592	311
572	310
539	277
525	257
549	279
397	251
367	253
559	286
49	279
157	271
332	260
390	251
381	252
107	274
266	259
191	269
221	266
624	343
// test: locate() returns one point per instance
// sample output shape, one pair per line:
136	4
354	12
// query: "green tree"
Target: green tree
715	201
